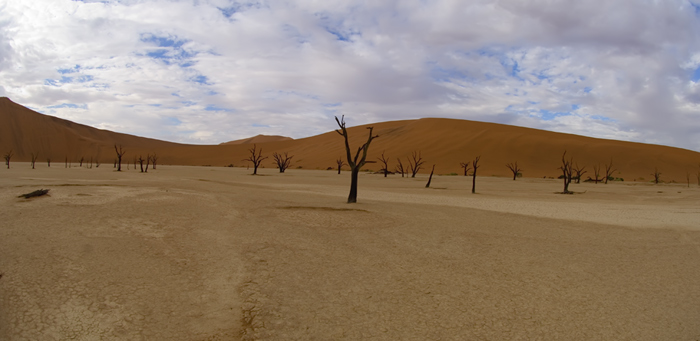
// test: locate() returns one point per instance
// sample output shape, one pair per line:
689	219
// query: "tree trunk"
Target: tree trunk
566	185
352	198
474	181
255	169
386	171
430	178
339	169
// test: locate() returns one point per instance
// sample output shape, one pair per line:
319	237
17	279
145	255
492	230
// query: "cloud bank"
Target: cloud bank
210	71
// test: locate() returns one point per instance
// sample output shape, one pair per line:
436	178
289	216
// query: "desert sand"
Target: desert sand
213	253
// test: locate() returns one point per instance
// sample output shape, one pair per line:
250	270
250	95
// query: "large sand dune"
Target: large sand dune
211	253
443	142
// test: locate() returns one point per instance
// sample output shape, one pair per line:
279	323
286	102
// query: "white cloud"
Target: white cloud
209	71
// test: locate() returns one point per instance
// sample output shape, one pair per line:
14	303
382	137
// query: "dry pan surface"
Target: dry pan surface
196	253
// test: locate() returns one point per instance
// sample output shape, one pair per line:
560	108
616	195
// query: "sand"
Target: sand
207	253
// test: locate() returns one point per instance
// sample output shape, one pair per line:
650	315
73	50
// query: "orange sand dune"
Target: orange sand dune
259	139
443	142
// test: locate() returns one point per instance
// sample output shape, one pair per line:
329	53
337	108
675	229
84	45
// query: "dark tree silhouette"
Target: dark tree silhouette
148	161
466	166
384	161
34	157
687	178
609	171
566	168
579	172
154	160
340	163
596	173
656	175
399	167
66	161
256	158
355	163
514	168
283	161
431	177
120	152
48	161
82	158
475	166
414	163
7	158
140	160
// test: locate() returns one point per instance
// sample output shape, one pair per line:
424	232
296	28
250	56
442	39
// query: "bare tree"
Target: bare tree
136	160
687	177
82	158
283	161
466	166
414	163
475	166
140	160
154	160
148	161
7	158
384	161
596	173
48	162
566	168
66	161
120	152
514	168
399	167
656	175
431	177
340	163
256	158
609	171
579	172
34	157
355	163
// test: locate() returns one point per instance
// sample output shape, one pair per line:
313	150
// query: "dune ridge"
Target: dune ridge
443	142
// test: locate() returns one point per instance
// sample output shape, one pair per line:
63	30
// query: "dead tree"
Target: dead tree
687	178
656	175
431	177
399	167
414	163
609	171
154	160
66	161
355	163
566	168
256	158
48	162
148	161
82	158
140	160
340	163
283	161
466	166
514	168
7	157
34	157
579	172
136	160
596	173
384	161
120	152
475	166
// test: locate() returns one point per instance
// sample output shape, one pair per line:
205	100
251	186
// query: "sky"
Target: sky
210	71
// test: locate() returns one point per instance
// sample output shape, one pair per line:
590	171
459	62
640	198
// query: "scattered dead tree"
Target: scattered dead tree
687	177
66	161
340	163
82	158
466	166
120	152
256	158
385	162
566	168
154	160
48	162
609	171
355	163
656	175
579	172
475	166
7	158
399	167
431	177
34	156
596	173
37	193
140	160
514	168
136	160
148	161
414	163
283	161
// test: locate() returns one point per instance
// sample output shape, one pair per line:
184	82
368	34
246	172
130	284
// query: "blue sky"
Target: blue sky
209	71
